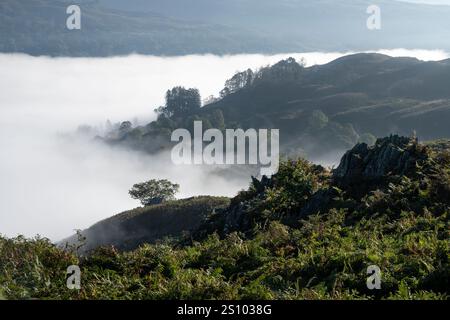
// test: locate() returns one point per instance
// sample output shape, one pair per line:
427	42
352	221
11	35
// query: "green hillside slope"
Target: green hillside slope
306	233
133	228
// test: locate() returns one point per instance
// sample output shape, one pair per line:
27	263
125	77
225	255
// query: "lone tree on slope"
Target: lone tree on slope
154	191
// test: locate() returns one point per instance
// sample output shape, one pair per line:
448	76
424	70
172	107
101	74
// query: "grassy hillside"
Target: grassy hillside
305	233
323	109
133	228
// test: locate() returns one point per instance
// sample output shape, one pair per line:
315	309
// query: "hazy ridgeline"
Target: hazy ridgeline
181	27
52	181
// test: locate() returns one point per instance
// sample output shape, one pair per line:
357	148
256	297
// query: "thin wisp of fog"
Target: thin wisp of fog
52	182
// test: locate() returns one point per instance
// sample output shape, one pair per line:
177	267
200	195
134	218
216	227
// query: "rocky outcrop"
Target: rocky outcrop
365	166
362	169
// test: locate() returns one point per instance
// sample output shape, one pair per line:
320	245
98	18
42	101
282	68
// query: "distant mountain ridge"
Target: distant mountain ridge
178	27
38	27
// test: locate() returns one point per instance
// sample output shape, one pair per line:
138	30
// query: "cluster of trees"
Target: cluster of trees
285	70
183	102
181	110
180	102
239	81
289	70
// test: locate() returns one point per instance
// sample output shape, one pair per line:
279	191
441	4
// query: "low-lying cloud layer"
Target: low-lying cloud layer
51	185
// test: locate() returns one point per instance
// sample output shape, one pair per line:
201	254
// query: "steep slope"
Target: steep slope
129	230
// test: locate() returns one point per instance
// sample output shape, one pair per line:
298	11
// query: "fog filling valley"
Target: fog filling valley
52	182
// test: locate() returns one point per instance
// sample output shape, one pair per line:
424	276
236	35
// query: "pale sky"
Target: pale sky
445	2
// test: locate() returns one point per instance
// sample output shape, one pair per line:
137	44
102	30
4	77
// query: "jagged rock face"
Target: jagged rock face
392	156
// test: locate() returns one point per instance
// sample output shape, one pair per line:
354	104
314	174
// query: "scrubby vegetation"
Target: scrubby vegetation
303	234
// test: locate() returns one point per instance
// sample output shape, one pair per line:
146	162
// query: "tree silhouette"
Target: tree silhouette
154	191
180	102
